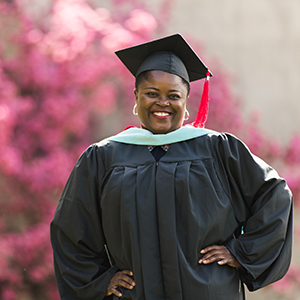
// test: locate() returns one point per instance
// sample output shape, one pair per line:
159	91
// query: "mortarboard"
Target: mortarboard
159	52
170	54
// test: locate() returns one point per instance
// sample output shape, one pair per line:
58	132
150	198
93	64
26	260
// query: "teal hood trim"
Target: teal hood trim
139	136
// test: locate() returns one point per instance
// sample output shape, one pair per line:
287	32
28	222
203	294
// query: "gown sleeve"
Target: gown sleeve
262	203
81	265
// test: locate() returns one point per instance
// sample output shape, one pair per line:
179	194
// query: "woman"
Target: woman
167	211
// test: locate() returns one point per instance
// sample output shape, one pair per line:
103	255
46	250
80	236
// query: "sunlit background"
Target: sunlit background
62	88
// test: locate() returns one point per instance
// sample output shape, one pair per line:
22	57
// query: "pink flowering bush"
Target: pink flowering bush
62	88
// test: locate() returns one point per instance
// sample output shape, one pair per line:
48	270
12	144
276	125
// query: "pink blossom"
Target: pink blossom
8	294
34	36
59	79
117	37
141	21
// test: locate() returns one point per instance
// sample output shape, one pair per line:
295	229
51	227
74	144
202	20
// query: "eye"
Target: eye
174	96
152	94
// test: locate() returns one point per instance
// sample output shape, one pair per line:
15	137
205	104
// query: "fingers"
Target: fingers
121	278
211	248
113	291
213	253
219	254
126	281
225	261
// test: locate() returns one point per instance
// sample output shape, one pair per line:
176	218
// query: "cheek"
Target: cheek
181	108
143	103
140	105
142	109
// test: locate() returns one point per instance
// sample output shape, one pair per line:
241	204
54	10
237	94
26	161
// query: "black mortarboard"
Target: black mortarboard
171	54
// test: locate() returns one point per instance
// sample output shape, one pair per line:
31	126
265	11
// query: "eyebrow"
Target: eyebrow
156	89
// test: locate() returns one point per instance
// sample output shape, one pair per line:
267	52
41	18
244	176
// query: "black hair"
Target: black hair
145	76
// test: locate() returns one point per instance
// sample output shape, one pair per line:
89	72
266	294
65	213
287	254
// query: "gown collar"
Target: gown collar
139	136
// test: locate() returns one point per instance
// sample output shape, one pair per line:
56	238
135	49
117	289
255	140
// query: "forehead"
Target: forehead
161	77
161	80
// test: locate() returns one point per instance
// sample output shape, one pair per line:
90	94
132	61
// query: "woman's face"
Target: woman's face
161	101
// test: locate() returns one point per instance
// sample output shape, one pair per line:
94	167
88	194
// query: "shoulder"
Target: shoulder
100	152
113	154
223	137
101	147
95	153
220	140
224	141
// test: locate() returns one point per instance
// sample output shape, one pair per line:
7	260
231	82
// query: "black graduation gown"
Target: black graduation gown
155	217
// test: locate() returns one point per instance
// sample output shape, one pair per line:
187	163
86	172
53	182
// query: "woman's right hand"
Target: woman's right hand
121	278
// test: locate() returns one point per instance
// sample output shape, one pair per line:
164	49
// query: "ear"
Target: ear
135	94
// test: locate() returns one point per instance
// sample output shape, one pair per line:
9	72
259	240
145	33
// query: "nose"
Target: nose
163	101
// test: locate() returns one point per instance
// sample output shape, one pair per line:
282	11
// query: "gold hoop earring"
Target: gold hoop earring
187	115
134	110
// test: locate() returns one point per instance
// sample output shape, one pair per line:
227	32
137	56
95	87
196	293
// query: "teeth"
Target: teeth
161	114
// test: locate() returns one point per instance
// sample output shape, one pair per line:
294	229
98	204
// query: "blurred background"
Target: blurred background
62	88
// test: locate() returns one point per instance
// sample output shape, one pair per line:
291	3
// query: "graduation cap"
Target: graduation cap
171	54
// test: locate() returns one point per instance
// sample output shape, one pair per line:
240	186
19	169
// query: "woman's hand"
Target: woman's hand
121	278
220	254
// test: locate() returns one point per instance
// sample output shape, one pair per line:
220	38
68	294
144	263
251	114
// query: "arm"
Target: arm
262	203
81	265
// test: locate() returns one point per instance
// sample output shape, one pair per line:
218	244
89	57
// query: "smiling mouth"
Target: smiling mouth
161	114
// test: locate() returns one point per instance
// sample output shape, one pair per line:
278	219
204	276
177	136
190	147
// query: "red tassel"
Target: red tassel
203	107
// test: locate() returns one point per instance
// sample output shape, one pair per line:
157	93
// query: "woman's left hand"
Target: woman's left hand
220	254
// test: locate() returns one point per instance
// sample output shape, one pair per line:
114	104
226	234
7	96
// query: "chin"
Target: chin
160	129
163	130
